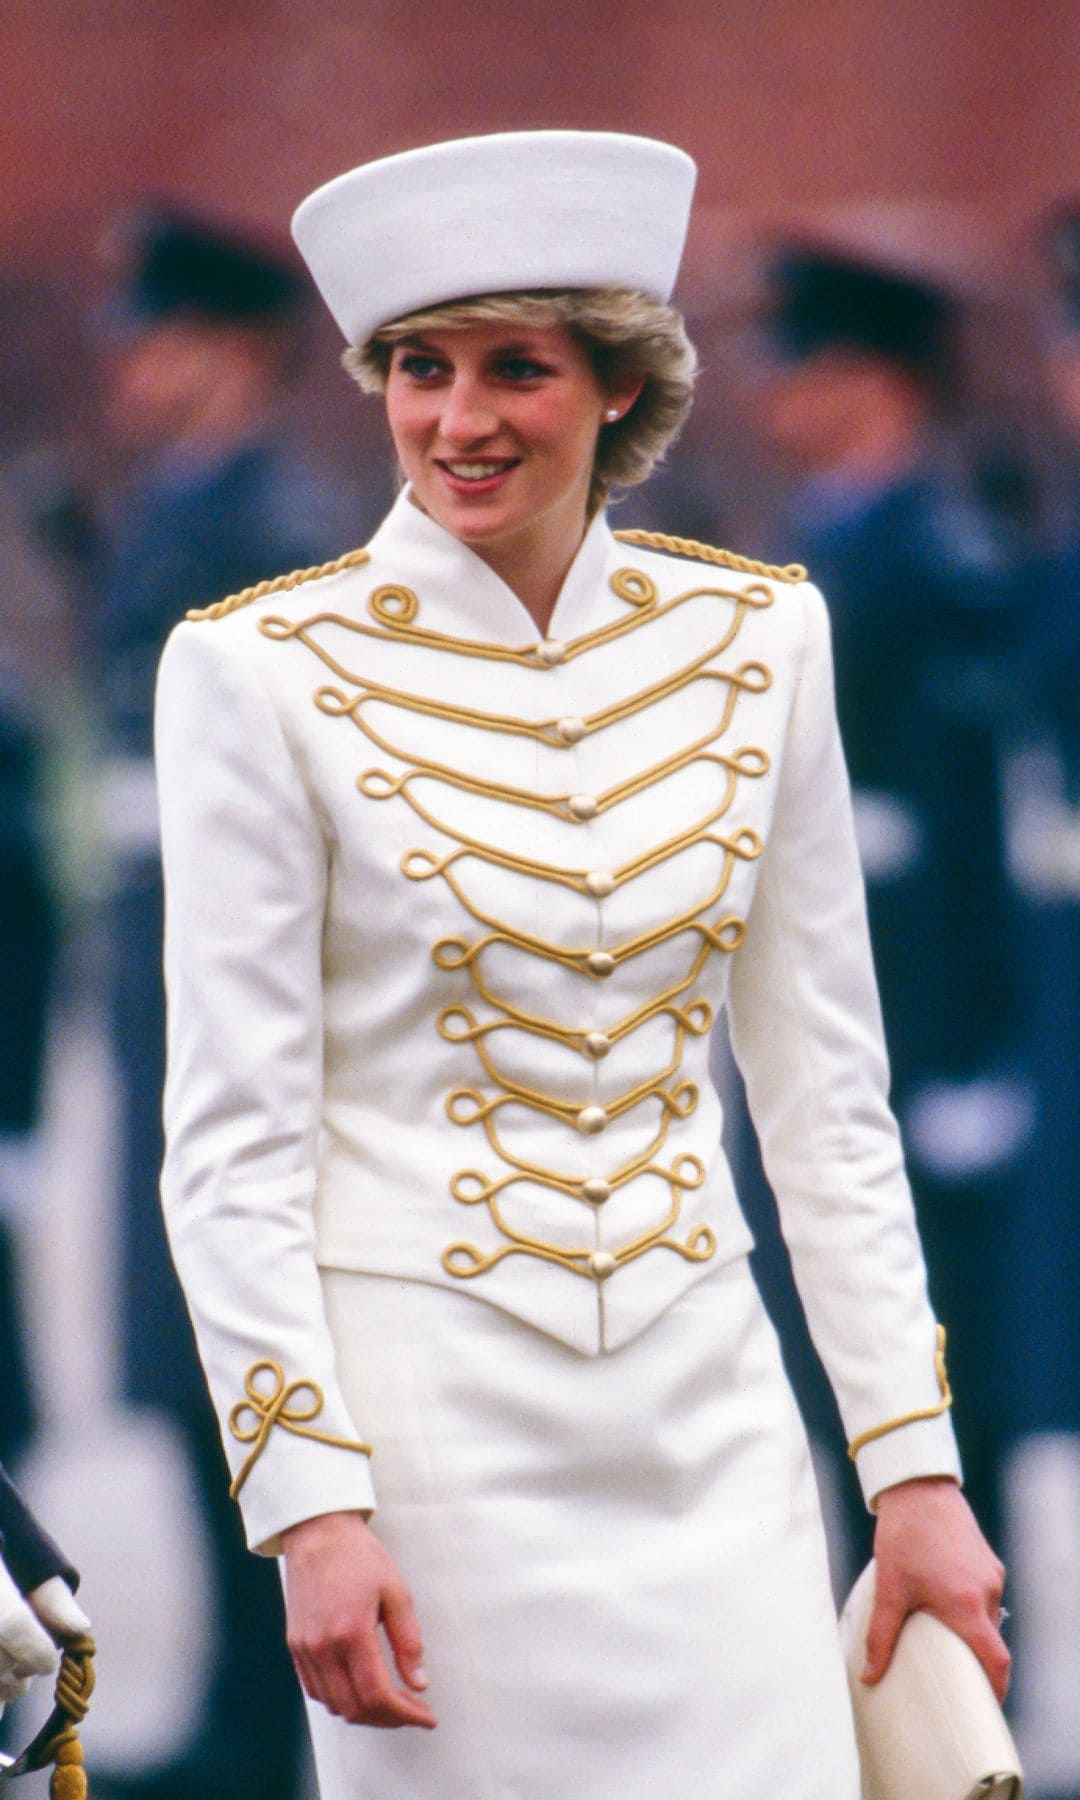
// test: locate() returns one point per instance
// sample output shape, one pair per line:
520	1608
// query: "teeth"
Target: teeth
474	471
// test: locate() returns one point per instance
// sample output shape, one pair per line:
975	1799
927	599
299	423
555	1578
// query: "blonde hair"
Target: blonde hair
628	338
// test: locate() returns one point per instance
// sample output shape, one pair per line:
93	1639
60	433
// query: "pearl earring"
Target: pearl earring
612	414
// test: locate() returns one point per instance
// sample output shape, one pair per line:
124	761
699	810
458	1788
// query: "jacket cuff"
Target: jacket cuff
302	1482
923	1448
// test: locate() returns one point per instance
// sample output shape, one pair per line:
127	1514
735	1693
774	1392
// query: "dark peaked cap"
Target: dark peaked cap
821	301
176	263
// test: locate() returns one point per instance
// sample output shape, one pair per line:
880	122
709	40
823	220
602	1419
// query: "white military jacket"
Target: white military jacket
451	911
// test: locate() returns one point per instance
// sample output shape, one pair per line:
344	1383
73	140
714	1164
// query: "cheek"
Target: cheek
405	427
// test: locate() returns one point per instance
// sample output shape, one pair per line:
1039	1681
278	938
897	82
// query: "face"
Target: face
495	426
156	381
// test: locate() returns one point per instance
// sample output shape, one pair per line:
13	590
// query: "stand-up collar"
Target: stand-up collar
444	570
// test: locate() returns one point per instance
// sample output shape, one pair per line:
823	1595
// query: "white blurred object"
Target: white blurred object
113	1482
20	1170
1042	827
889	834
1042	1521
128	807
957	1130
120	1494
59	1611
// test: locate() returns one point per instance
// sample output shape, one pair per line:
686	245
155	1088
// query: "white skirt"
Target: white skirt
617	1562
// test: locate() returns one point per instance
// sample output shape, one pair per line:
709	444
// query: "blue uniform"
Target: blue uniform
190	533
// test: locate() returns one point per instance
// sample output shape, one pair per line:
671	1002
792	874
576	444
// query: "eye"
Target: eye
522	368
419	365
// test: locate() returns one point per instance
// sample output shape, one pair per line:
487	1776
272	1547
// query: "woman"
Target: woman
468	838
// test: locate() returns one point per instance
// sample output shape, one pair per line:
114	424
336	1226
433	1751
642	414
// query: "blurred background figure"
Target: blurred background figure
28	935
951	566
859	375
198	340
1042	786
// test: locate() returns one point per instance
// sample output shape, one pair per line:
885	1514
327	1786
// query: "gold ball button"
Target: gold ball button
571	731
549	651
591	1119
602	1264
582	807
596	1190
600	884
597	1045
600	962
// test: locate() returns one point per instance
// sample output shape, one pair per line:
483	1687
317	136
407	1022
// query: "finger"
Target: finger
381	1702
983	1637
403	1631
351	1679
886	1622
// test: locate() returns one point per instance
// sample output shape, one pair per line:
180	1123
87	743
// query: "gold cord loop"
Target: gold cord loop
911	1418
278	1408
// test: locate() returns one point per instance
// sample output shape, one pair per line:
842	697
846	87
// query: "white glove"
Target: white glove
31	1628
25	1649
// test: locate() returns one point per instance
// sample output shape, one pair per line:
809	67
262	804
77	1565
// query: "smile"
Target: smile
477	472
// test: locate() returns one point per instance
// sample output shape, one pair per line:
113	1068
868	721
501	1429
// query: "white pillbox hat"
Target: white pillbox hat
487	215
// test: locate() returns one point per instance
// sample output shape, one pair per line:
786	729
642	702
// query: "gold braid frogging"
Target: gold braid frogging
278	1408
396	608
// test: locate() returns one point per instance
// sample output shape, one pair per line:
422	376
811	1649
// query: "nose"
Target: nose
467	415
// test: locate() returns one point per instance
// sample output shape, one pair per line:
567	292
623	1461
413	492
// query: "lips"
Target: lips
476	475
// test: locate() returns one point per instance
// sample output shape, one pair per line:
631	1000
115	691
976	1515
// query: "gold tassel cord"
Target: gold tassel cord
58	1740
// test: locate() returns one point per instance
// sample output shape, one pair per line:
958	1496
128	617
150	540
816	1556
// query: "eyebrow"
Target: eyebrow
517	347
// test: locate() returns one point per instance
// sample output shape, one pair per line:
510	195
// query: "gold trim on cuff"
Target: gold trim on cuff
268	1410
926	1412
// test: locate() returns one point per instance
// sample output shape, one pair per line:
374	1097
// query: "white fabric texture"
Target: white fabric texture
617	1564
341	962
485	215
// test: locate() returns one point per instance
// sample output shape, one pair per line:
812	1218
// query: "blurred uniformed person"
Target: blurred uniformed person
858	382
28	936
199	342
1043	801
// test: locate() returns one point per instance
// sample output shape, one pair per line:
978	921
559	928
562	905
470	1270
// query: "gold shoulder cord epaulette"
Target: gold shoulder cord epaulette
725	559
282	584
911	1418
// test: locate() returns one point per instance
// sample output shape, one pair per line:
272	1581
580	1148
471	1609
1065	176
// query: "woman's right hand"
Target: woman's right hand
341	1585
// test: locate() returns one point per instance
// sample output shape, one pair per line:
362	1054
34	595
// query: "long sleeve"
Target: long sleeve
246	873
807	1034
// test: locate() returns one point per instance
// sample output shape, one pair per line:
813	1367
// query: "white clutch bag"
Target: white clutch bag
931	1729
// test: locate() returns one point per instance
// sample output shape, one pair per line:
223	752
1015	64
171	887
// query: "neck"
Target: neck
535	573
534	563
